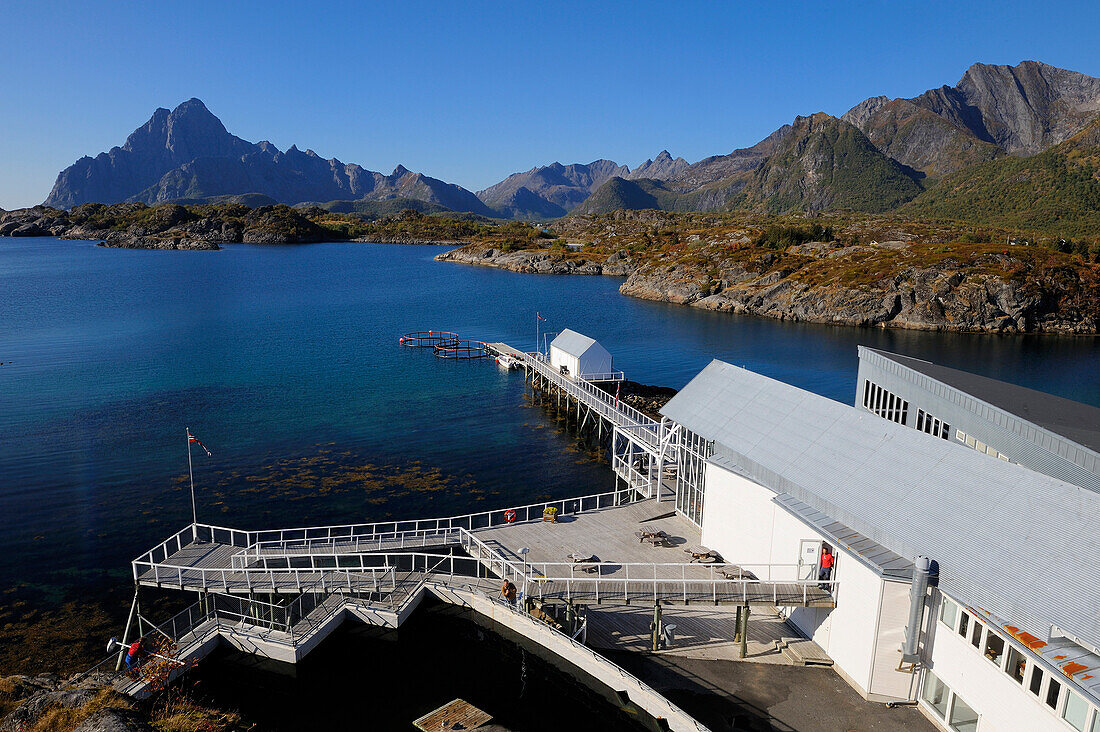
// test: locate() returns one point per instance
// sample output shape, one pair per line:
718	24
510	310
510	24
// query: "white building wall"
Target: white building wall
1003	704
559	358
743	524
886	679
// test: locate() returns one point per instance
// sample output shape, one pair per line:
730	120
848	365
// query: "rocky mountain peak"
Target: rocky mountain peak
399	171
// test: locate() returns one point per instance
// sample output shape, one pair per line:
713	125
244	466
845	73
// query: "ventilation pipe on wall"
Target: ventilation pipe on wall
922	576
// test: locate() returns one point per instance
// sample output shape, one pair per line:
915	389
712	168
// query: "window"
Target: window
1095	722
1076	711
994	648
963	621
935	693
1036	685
1052	694
949	612
932	425
970	442
963	718
1016	665
884	403
976	629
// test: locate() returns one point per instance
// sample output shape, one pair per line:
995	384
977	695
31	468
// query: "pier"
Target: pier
622	567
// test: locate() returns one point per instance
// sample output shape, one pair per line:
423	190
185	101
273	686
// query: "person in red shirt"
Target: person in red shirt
132	656
825	573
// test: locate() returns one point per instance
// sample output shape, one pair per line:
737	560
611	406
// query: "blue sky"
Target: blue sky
470	92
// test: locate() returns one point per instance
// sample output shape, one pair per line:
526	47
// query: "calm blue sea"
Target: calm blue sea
284	361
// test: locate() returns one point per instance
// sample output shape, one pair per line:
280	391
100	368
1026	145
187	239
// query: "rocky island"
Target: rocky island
844	270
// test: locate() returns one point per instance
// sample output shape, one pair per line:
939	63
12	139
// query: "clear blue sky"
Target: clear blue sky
470	92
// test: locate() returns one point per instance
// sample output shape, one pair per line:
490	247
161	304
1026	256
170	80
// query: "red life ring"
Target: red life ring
510	515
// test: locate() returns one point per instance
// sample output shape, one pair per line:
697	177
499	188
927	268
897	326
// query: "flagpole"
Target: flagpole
191	472
537	350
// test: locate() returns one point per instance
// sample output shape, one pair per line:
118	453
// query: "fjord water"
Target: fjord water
284	361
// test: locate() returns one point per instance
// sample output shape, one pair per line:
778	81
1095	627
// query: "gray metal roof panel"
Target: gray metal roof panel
1073	420
1007	539
572	342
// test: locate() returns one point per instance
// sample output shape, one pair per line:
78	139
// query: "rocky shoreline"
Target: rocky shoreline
944	295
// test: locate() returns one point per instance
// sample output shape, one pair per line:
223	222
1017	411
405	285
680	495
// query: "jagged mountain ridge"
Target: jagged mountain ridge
554	190
993	110
188	154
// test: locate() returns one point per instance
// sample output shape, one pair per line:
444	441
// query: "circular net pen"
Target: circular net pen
462	349
429	339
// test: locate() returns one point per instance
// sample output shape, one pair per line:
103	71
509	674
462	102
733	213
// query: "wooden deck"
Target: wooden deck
619	575
455	715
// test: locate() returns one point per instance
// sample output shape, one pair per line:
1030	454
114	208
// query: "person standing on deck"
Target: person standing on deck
132	656
826	572
508	590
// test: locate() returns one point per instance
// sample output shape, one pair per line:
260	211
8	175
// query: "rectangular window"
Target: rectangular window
963	718
960	435
976	629
1076	711
979	446
945	431
1016	665
1036	685
949	612
1053	688
994	648
1095	726
935	694
920	420
963	624
970	442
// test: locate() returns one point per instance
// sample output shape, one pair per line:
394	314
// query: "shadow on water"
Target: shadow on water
367	678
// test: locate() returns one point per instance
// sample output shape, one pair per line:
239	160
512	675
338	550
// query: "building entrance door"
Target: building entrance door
809	554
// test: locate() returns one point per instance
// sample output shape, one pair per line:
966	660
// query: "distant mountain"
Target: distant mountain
1056	191
993	110
188	154
549	191
662	167
825	163
817	163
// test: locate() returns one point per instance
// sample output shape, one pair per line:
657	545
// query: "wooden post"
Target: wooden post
745	632
655	626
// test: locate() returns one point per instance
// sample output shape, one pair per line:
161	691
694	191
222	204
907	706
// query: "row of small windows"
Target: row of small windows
932	425
971	441
884	403
1055	695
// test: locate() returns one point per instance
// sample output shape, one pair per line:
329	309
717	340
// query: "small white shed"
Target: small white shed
575	354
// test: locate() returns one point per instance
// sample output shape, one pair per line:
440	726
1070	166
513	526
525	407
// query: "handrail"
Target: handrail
207	578
614	409
469	521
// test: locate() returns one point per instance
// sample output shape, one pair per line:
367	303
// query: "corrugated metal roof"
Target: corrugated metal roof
1019	543
573	343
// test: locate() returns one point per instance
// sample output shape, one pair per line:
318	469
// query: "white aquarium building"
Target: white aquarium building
966	583
575	354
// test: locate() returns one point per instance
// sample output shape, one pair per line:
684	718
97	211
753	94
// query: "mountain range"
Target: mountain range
921	152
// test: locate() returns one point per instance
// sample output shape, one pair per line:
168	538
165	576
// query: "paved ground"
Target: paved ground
727	696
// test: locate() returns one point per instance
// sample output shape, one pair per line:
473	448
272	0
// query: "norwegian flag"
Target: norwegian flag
539	315
191	438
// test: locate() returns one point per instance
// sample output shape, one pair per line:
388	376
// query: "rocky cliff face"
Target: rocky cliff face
662	167
993	110
188	154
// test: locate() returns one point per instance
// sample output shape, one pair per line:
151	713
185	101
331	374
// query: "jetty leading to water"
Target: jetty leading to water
539	569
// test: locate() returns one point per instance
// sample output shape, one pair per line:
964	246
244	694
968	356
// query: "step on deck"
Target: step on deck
803	652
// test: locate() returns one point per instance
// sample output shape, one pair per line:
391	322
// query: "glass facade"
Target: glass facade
693	454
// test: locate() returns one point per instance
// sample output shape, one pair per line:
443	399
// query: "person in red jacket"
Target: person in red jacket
132	656
825	573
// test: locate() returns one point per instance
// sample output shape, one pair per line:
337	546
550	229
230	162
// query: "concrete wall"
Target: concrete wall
746	527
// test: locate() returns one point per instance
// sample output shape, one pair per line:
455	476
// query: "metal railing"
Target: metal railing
595	398
320	546
717	582
281	580
468	521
